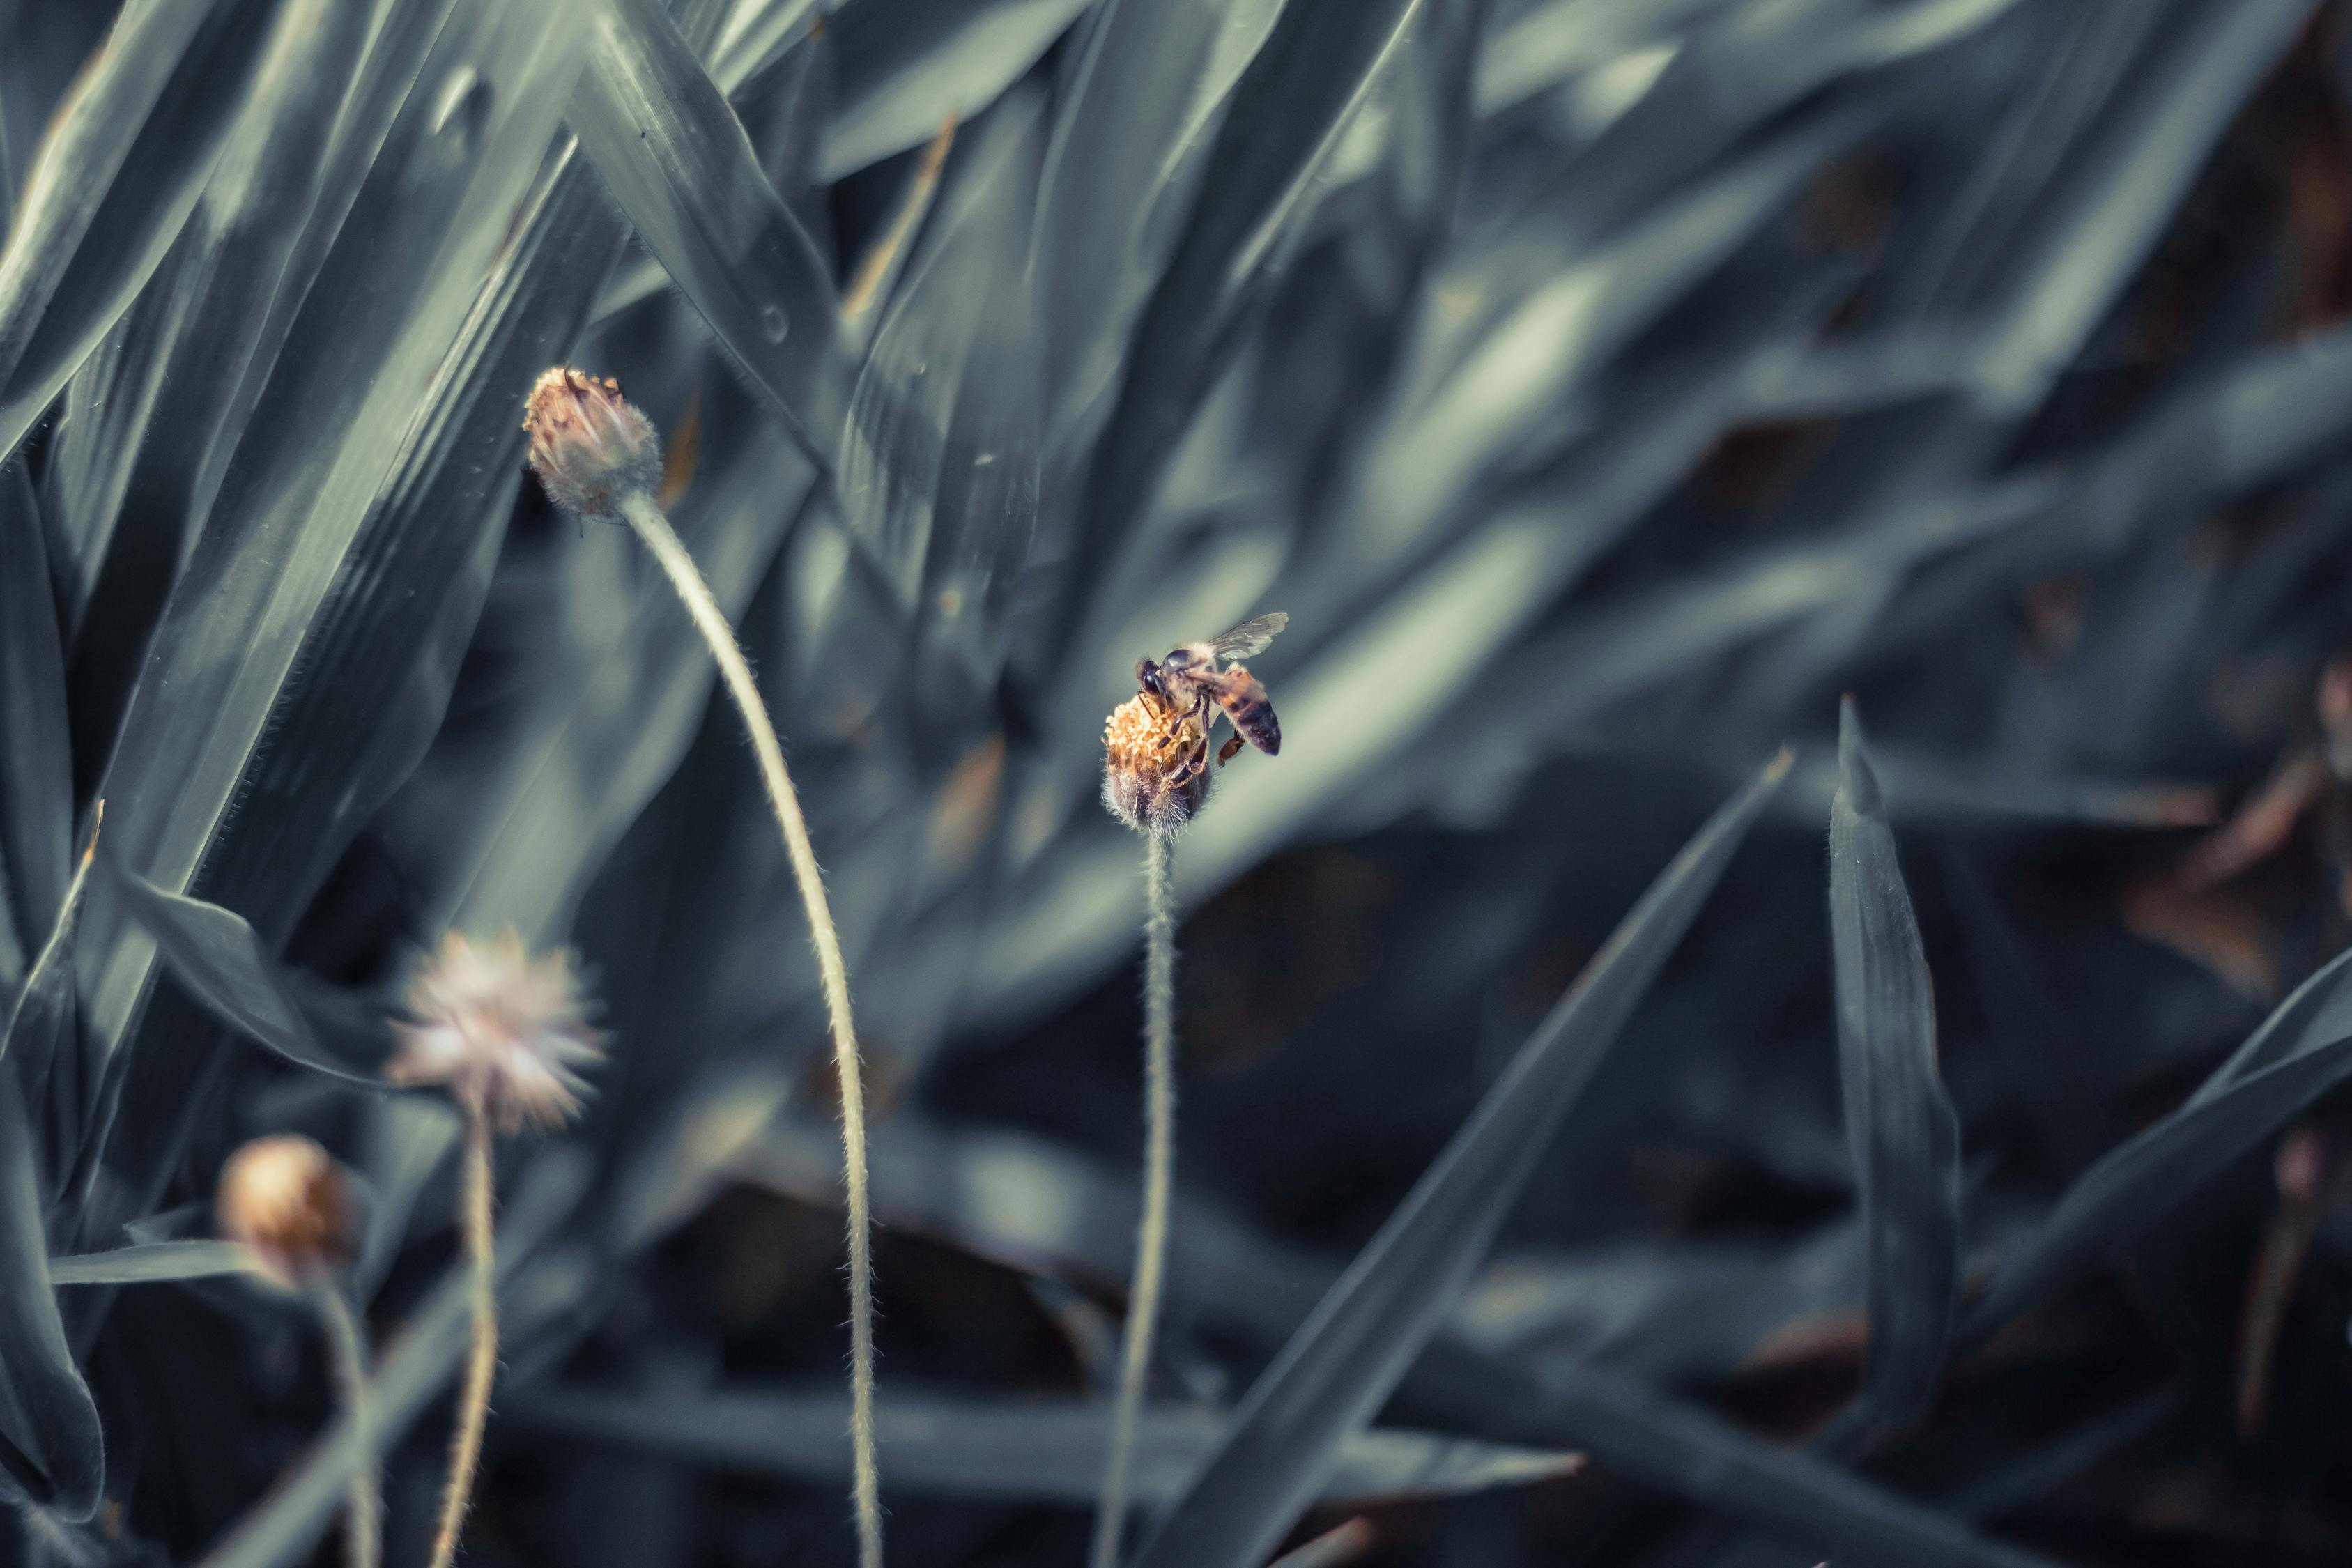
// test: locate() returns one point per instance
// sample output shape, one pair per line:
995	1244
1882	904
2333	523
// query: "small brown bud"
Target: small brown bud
589	445
284	1197
1154	766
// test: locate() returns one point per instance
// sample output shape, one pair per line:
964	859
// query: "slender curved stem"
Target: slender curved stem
1158	1179
652	527
347	1354
482	1364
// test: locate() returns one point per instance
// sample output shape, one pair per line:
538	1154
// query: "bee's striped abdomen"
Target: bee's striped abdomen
1246	704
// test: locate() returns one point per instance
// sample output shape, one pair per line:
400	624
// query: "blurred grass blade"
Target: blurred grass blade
52	1453
215	954
1899	1123
1131	124
147	412
150	1261
2316	1009
1477	411
939	462
1023	1449
2124	187
116	178
616	721
676	159
2024	1479
44	1033
2307	1050
1350	1355
436	523
1293	104
1696	1455
35	781
304	548
902	66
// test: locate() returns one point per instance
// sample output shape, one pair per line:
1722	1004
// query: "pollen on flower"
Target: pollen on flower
1153	779
508	1033
590	446
285	1199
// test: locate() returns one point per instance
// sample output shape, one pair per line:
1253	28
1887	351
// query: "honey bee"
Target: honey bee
1188	680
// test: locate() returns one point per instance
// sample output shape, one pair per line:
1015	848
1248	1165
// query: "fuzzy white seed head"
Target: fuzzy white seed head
589	445
506	1032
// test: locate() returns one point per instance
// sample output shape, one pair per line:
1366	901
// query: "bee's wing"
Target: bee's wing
1251	638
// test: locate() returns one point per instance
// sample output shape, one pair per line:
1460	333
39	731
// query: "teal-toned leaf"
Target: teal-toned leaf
939	462
114	180
216	953
36	782
1131	129
1900	1125
2301	1052
1291	106
146	418
676	159
320	542
1351	1353
1031	1449
1813	1506
151	1261
52	1453
42	1047
906	65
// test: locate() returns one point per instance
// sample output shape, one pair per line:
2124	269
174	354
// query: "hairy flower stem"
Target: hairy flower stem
1159	1178
646	518
482	1364
347	1354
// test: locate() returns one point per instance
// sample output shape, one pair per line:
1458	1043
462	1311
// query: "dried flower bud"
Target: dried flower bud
505	1031
284	1197
1154	767
589	445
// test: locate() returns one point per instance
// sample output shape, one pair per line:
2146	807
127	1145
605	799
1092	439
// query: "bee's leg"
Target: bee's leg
1192	767
1225	752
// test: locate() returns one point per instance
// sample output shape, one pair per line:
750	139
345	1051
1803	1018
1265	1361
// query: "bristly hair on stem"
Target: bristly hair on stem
643	515
506	1033
1159	1183
599	458
482	1355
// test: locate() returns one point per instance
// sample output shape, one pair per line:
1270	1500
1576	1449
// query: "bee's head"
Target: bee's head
1147	676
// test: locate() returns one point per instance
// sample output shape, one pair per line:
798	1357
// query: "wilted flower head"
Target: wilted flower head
589	445
505	1031
1154	765
284	1197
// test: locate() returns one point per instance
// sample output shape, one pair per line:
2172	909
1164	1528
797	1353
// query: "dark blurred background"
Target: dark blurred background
1605	387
